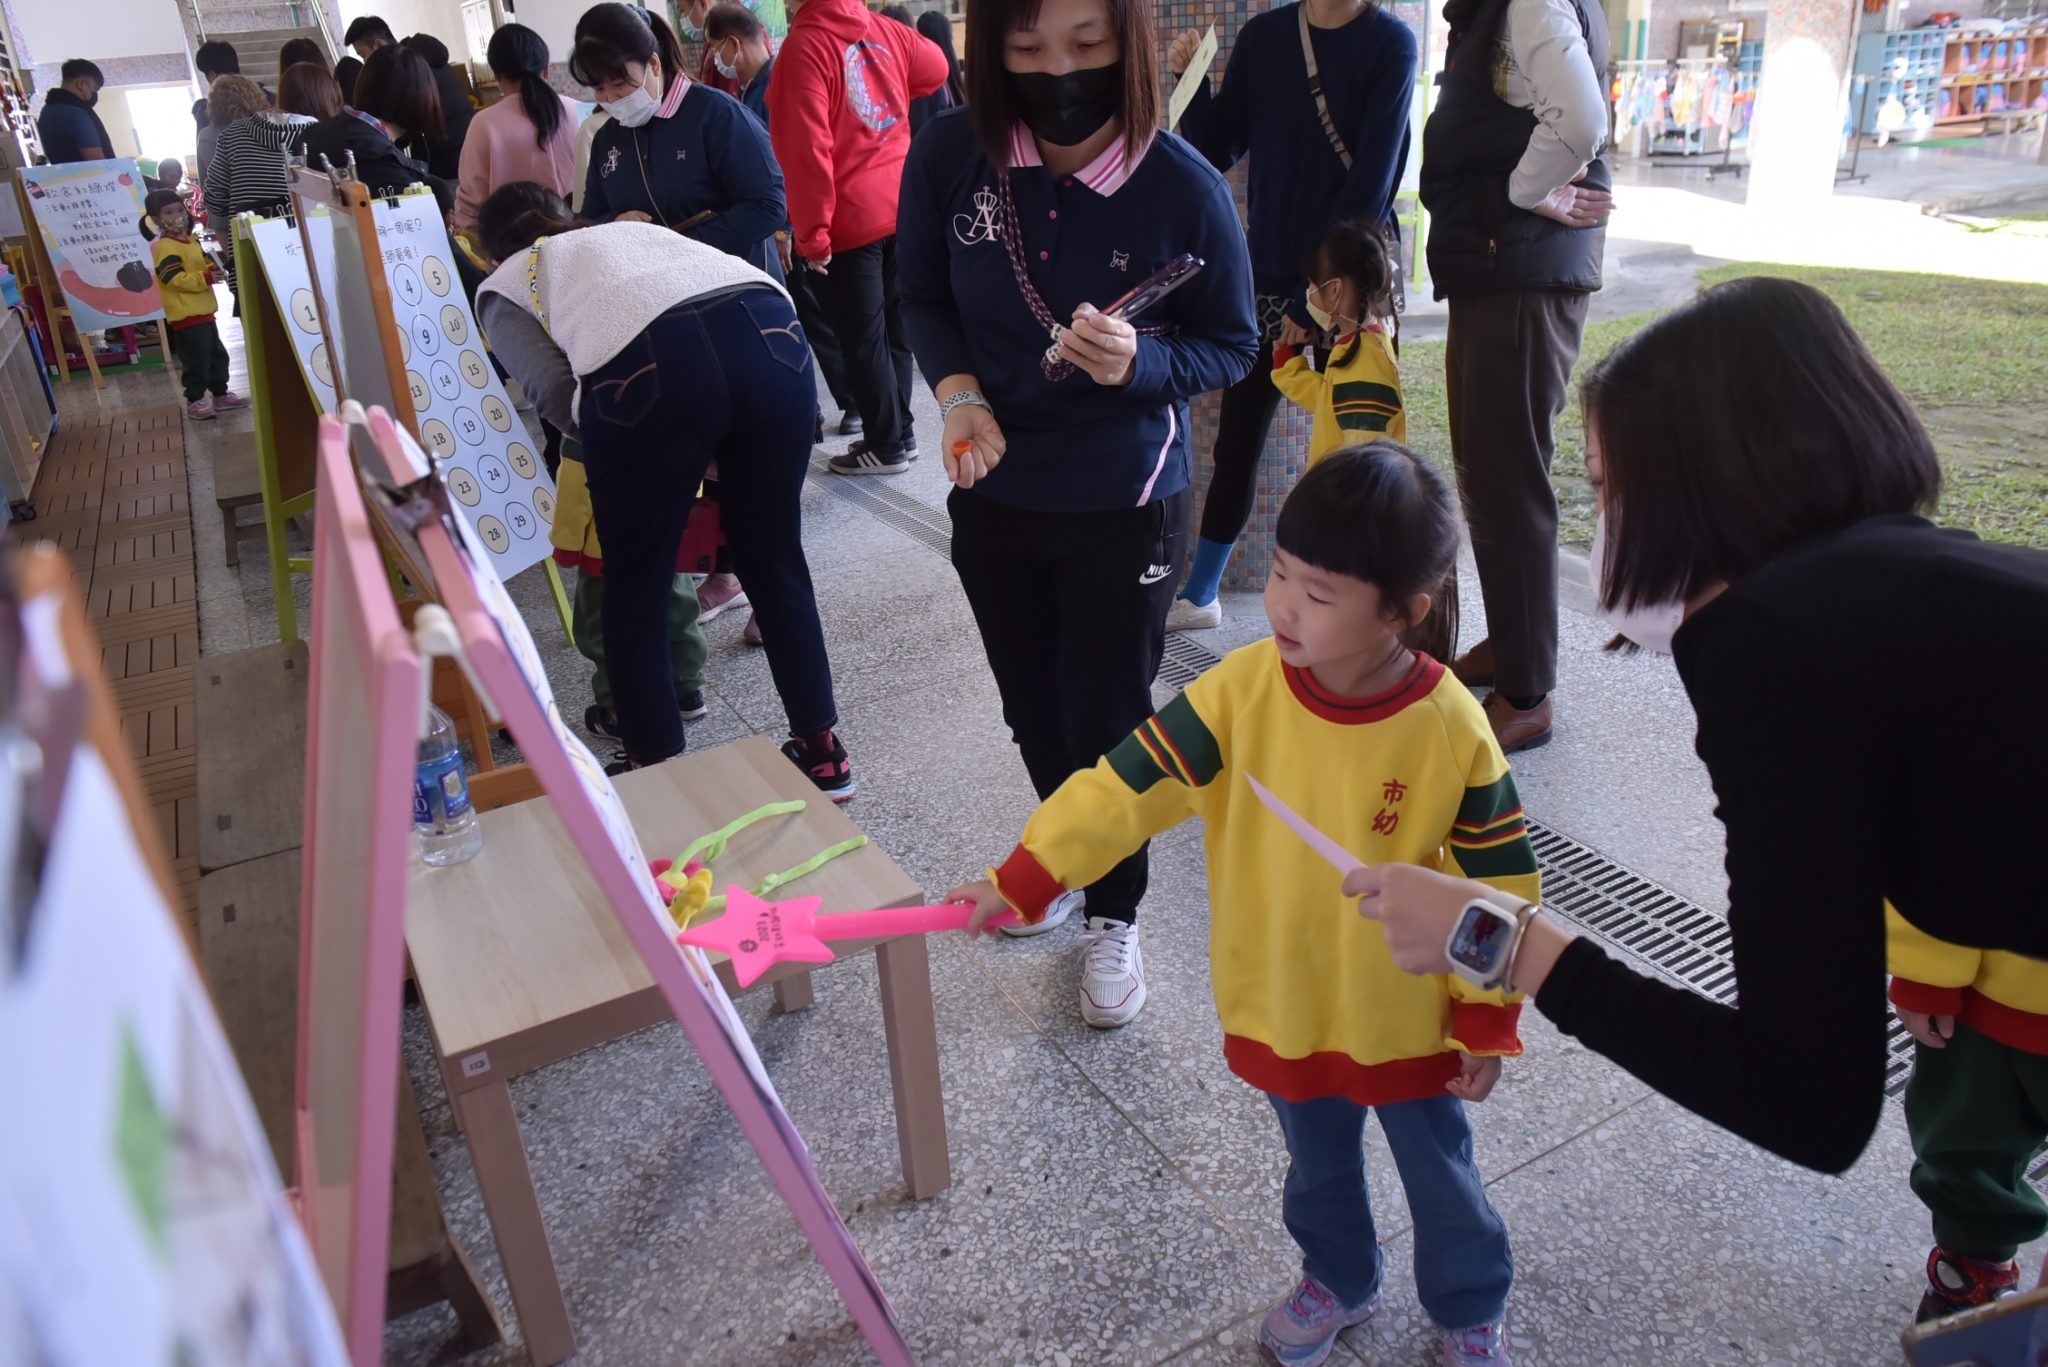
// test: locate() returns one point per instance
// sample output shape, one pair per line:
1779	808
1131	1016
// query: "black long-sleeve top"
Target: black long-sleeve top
1864	714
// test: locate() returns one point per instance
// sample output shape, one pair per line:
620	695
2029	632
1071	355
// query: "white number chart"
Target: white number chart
465	417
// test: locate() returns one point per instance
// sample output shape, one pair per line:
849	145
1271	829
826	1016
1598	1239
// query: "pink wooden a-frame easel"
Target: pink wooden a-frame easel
363	723
502	658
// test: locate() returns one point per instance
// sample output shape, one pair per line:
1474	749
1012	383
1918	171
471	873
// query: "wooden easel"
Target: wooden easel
56	307
287	420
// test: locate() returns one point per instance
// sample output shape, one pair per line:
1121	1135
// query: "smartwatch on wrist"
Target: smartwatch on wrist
1482	944
962	398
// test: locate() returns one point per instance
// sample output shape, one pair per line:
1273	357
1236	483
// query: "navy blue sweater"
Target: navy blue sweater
1298	185
710	154
1074	445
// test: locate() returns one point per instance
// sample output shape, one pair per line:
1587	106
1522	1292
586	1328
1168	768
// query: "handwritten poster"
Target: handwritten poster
90	215
465	417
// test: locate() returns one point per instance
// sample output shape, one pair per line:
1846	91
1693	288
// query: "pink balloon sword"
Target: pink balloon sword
757	934
1338	857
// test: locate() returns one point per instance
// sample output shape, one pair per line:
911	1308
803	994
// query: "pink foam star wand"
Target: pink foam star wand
757	934
1336	855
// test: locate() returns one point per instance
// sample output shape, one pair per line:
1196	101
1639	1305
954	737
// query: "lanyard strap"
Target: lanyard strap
533	285
1315	88
1052	365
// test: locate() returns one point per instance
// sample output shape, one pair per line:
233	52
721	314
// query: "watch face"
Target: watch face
1482	938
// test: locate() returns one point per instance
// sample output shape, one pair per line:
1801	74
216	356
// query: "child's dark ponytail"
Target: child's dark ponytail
1355	251
520	56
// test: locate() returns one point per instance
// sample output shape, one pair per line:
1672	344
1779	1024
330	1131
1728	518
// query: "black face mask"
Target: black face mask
1068	109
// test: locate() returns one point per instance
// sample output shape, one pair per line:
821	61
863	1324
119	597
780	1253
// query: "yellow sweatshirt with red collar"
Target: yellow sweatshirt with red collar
1311	1002
2004	996
1355	398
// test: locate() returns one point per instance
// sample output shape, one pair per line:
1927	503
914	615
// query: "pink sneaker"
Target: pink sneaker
752	635
199	410
229	399
1484	1345
719	593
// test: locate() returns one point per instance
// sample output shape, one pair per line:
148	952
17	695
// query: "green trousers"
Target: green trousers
202	358
686	648
1978	1112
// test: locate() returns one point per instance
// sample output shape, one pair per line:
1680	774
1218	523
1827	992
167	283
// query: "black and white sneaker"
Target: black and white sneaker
849	424
862	459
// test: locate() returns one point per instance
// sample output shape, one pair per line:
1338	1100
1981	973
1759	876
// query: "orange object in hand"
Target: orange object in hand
961	448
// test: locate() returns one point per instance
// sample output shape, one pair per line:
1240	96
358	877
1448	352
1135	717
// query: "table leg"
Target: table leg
913	1042
492	1129
793	993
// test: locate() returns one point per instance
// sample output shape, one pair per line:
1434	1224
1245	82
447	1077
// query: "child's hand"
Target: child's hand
1932	1031
987	903
1475	1083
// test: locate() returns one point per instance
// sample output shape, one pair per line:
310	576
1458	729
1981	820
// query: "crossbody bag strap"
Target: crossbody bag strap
1315	88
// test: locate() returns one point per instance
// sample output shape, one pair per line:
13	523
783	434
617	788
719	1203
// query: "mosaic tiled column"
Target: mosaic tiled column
1798	139
1285	456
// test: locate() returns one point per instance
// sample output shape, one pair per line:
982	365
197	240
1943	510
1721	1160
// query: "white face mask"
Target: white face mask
730	70
635	109
1322	317
1651	626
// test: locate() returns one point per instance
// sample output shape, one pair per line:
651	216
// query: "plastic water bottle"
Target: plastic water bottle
441	815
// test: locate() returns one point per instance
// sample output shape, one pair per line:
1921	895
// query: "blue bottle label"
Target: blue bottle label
440	792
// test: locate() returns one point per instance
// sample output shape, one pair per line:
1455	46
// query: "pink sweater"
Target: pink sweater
500	149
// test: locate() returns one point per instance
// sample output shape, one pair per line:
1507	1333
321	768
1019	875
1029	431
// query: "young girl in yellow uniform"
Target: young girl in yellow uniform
1356	396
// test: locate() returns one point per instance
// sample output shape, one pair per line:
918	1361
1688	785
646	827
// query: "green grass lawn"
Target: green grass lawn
1972	355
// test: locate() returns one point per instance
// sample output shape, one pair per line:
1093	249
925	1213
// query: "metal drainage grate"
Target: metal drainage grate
1670	936
916	519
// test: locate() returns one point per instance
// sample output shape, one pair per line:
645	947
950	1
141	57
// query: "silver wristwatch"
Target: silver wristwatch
961	399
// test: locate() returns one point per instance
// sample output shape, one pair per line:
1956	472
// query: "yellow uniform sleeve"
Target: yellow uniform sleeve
176	273
1295	378
1148	784
1928	975
1365	391
1489	841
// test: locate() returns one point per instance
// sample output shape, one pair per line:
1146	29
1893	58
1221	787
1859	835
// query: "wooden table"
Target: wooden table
521	963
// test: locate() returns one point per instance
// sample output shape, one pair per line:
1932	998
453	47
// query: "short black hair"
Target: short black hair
77	67
217	59
347	72
611	35
730	19
429	47
901	14
1377	513
397	87
1353	250
1730	431
366	27
516	214
301	50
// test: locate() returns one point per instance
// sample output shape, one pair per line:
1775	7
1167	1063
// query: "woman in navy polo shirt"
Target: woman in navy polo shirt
675	152
1055	191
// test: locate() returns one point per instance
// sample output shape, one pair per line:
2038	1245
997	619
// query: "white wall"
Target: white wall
554	21
442	18
58	30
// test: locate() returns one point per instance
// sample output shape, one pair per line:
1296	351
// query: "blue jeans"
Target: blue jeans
727	377
1463	1268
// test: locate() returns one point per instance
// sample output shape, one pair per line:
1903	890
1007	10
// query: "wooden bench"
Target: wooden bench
236	485
249	951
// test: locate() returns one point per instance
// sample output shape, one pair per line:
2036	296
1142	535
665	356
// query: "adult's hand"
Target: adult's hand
1416	908
1933	1031
975	427
1105	347
820	264
633	216
787	254
1181	52
1576	205
1293	334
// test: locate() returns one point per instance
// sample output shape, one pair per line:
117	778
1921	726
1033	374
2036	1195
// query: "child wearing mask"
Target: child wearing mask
1356	396
185	277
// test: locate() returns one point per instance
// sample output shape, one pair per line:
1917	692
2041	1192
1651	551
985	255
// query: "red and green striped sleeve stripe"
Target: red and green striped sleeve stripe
1173	744
1490	837
1362	406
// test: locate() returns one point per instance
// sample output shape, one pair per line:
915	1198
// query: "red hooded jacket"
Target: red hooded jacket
839	116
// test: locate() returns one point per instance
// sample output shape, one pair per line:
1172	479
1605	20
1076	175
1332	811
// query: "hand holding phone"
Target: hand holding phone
1156	286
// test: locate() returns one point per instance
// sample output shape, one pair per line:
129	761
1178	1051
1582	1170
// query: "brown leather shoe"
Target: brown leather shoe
1516	729
1474	668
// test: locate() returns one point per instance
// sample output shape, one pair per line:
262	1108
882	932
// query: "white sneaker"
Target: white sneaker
1055	916
1186	616
1112	974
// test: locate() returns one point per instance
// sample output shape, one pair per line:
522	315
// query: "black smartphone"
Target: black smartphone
1157	286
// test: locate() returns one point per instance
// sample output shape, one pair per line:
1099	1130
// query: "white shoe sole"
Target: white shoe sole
1187	616
882	469
706	616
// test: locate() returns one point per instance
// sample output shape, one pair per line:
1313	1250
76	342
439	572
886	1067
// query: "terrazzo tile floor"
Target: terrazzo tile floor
1115	1195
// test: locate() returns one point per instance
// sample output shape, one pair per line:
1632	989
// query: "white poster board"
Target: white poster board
90	216
1193	79
465	416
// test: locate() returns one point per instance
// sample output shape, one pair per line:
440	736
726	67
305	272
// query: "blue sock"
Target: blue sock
1205	576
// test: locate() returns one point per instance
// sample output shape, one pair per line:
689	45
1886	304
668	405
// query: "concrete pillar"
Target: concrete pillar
1799	107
